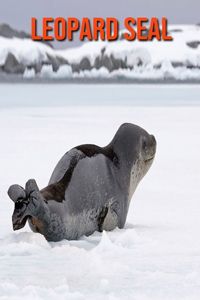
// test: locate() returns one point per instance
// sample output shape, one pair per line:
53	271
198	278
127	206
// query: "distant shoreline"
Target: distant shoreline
18	79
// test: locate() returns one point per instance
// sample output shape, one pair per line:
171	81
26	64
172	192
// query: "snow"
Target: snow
156	255
25	50
153	52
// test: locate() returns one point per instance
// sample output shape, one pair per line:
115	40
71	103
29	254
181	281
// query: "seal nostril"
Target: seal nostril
153	137
144	145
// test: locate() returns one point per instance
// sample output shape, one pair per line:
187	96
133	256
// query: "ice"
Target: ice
47	71
130	239
64	71
105	244
104	286
94	73
138	72
29	73
156	254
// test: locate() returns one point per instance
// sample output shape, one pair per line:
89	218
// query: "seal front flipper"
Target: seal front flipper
16	192
31	186
36	208
101	218
108	218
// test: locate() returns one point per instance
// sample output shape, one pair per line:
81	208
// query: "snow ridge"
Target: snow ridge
179	59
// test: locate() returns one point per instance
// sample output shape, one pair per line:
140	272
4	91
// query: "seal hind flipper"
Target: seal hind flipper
16	192
18	195
31	186
26	202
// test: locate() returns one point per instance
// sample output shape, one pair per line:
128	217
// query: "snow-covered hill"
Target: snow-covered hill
179	58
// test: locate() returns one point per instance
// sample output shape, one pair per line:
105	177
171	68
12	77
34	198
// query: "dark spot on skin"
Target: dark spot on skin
93	150
56	191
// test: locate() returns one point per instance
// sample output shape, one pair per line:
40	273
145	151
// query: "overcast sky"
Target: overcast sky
18	13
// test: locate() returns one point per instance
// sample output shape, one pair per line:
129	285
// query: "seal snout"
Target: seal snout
153	138
151	148
154	143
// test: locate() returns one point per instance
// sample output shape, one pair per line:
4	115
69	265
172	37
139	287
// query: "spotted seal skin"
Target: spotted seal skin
90	188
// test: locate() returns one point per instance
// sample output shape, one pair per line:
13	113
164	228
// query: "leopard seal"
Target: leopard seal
90	188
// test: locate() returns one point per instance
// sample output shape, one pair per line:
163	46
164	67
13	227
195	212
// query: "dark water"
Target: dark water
18	79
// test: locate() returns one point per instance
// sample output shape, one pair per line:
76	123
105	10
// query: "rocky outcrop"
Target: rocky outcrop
175	30
8	32
121	37
83	65
56	62
118	63
176	64
109	62
193	44
12	65
103	61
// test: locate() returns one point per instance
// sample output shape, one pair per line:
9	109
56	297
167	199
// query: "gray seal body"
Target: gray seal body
90	188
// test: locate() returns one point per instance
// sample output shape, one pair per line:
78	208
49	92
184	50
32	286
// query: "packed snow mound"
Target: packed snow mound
183	50
9	32
25	50
121	58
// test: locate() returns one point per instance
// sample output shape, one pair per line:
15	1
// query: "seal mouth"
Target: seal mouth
150	159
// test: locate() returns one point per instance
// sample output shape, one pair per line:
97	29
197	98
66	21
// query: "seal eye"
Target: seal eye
144	145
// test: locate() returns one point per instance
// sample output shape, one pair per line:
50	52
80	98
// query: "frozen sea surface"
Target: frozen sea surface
157	254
